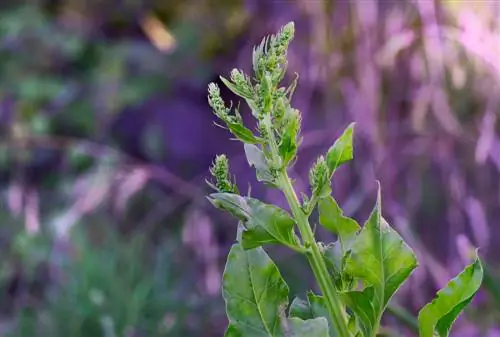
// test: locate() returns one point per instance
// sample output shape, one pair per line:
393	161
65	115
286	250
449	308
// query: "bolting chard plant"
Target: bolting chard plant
357	275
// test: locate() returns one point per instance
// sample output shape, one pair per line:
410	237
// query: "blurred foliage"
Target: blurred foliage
74	72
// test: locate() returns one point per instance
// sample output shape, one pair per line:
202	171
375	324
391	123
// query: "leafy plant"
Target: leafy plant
357	275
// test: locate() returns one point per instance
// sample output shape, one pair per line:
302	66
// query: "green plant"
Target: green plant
357	275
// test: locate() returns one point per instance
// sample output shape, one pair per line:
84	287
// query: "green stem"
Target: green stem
315	258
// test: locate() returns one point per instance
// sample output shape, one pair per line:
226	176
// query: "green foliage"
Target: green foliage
357	275
436	318
114	288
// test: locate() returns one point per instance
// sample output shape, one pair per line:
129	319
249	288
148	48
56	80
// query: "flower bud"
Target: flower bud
242	84
318	176
217	103
220	171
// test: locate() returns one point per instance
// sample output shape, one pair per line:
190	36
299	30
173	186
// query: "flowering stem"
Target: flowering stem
313	254
334	305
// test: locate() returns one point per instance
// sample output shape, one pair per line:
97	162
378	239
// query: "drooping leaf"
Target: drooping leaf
316	327
256	158
332	218
263	223
381	259
254	292
342	150
437	317
242	133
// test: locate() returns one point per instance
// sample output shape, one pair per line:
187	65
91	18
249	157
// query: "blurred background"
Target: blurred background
106	139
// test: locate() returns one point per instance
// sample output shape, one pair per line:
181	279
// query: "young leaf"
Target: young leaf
317	327
263	223
314	307
379	257
289	142
332	218
361	303
253	290
334	256
242	133
256	158
341	151
437	317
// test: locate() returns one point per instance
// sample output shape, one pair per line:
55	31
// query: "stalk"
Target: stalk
313	254
334	305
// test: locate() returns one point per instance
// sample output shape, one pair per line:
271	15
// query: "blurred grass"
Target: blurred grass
421	79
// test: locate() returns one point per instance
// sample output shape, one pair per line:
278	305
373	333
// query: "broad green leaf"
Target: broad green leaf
254	292
332	218
437	317
242	133
263	223
381	259
256	158
317	327
341	151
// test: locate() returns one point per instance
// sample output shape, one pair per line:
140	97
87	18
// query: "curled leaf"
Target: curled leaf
437	317
256	158
263	223
314	307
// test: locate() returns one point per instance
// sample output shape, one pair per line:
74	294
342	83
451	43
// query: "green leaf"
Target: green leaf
232	331
301	309
254	292
361	303
314	307
381	259
341	151
242	133
317	327
437	317
332	218
263	223
335	257
289	143
256	158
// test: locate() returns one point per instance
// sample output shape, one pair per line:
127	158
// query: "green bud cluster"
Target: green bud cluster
220	171
219	107
319	175
270	56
